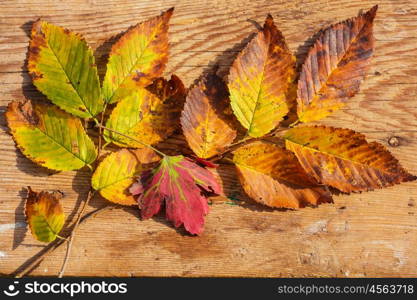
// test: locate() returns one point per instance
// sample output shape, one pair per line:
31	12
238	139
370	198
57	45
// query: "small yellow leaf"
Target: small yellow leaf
44	214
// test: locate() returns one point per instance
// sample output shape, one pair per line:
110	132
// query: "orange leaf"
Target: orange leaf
273	176
259	80
335	66
343	159
206	117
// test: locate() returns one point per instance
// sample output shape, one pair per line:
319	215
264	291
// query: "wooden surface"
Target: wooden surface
368	234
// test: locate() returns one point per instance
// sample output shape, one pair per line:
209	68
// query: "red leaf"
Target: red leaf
182	185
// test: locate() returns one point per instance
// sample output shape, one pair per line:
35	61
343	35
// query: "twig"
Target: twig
294	123
35	260
133	139
245	140
90	195
100	131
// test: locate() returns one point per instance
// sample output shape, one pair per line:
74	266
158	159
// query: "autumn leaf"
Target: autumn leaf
62	67
335	66
44	214
180	184
206	118
272	176
149	114
259	79
115	174
137	58
50	137
344	159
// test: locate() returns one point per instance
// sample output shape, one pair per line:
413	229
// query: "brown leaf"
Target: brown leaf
206	118
343	159
335	66
272	176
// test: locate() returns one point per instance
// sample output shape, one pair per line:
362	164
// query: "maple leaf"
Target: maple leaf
116	173
148	114
180	184
344	159
137	58
49	136
335	66
62	67
44	214
272	176
259	80
205	120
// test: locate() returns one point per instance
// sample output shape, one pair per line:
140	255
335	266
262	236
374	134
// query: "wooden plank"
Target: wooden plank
368	234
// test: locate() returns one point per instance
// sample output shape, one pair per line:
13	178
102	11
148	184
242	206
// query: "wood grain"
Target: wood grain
368	234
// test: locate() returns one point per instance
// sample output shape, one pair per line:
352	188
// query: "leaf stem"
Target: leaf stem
294	123
100	131
36	259
60	237
90	195
133	139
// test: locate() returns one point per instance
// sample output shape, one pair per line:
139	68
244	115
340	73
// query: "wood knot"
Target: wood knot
394	141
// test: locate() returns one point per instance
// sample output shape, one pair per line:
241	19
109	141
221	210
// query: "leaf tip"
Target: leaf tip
171	10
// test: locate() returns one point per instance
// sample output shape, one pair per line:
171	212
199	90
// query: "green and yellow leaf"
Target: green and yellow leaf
148	114
137	58
115	174
50	137
344	159
44	214
335	66
272	176
62	67
259	80
206	118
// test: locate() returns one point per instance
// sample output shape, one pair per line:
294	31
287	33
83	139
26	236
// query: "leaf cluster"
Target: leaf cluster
243	118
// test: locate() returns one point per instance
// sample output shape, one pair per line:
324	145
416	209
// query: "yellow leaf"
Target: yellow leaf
335	67
49	136
138	57
259	79
149	114
272	176
62	67
343	159
44	214
116	173
206	118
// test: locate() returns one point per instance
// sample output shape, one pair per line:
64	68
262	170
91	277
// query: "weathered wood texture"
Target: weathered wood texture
369	234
